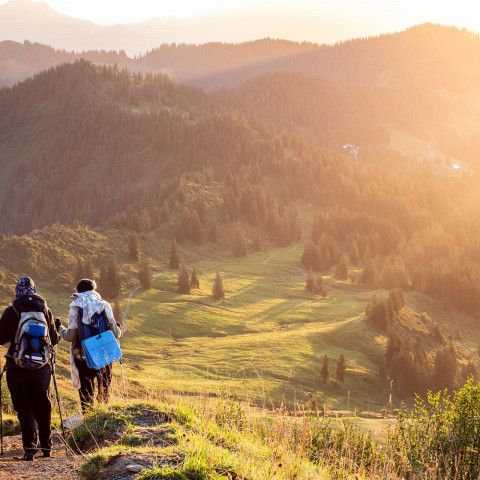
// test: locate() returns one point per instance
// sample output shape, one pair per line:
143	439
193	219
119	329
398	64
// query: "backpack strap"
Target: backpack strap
16	311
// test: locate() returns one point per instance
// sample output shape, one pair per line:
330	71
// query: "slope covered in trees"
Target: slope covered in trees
102	141
431	55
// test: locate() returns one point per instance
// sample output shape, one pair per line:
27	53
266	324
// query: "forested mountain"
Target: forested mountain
88	126
126	150
19	61
425	57
428	55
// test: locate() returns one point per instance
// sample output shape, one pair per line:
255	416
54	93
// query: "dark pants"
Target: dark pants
30	391
87	383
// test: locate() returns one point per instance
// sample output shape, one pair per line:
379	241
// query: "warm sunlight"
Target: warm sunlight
239	239
368	16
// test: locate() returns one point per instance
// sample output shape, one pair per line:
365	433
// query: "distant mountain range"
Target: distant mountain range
430	56
36	21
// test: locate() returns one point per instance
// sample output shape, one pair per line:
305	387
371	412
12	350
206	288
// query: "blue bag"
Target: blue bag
101	349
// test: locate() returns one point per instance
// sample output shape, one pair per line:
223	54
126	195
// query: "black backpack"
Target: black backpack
32	345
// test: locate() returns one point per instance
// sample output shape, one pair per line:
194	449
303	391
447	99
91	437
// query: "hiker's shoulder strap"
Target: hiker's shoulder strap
16	311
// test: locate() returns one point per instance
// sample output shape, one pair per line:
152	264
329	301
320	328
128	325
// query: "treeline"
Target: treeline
407	229
406	362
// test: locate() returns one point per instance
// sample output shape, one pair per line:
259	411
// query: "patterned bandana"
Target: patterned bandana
25	286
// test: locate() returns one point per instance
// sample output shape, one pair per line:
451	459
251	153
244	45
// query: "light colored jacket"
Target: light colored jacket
90	302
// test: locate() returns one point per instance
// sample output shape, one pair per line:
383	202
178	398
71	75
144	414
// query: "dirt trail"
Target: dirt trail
59	467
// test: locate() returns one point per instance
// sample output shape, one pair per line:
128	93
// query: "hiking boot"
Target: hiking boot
28	456
46	453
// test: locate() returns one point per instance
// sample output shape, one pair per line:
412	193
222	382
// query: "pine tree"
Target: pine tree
217	289
213	233
134	247
325	371
79	270
113	278
320	287
445	368
145	273
196	233
88	270
369	275
103	281
341	271
194	283
340	369
467	371
174	261
310	281
238	243
183	281
354	253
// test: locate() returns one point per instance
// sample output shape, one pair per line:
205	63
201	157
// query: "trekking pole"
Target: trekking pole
53	369
1	408
59	407
124	329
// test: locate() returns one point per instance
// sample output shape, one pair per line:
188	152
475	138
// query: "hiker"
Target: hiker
87	303
28	366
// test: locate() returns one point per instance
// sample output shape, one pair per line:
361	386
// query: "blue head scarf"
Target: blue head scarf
25	286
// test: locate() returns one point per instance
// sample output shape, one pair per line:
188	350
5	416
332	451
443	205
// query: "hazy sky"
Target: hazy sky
368	16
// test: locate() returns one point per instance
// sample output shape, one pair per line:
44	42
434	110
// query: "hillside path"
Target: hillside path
58	467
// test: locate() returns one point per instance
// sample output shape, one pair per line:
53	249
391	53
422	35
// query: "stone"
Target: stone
134	468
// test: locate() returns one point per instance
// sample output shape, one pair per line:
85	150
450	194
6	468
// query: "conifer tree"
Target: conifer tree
369	275
354	253
325	371
469	370
113	279
196	233
79	270
213	233
310	281
217	289
445	368
88	270
341	271
194	283
134	247
320	287
238	242
341	369
174	261
145	273
103	281
183	281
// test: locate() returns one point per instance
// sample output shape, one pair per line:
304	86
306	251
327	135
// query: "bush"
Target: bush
442	435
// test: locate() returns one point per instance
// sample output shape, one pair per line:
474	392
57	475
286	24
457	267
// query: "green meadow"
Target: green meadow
264	342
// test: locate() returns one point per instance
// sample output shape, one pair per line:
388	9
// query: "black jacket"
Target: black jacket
10	319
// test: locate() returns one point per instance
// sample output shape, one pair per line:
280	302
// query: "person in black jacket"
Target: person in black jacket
29	389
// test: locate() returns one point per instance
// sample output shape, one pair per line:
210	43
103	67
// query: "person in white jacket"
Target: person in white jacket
86	301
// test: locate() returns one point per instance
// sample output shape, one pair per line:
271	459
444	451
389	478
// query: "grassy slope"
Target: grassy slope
265	341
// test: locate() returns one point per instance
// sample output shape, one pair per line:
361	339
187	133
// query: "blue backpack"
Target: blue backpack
96	341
